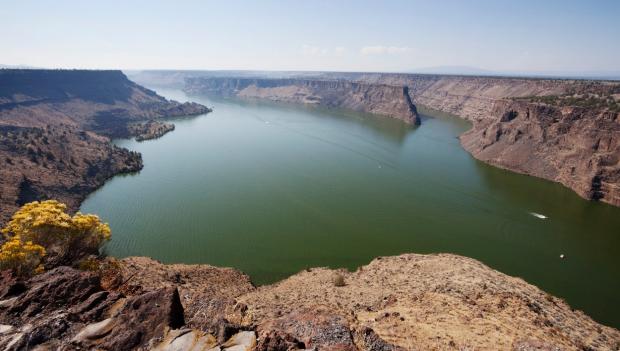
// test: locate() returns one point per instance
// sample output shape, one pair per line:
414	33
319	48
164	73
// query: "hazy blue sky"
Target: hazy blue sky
313	35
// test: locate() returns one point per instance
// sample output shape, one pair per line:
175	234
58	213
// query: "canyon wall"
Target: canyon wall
55	127
382	99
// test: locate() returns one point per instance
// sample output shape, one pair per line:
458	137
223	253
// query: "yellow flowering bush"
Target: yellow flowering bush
64	237
23	258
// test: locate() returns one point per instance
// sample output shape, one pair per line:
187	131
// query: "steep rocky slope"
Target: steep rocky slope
407	302
382	99
576	146
54	129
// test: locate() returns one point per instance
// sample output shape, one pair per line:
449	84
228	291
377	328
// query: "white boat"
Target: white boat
538	215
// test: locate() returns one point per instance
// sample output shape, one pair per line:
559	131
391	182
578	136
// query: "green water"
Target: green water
273	189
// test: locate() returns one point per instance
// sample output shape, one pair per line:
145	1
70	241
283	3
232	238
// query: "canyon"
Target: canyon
566	131
55	131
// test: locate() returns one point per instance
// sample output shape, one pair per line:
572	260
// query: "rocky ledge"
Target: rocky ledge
407	302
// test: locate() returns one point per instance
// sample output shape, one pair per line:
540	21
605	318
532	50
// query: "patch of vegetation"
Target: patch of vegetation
44	229
338	280
586	100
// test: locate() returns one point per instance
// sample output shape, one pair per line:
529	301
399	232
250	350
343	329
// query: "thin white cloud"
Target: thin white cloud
382	50
310	50
340	51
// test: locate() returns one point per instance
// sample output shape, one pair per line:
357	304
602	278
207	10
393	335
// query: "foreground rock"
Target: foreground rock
422	302
407	302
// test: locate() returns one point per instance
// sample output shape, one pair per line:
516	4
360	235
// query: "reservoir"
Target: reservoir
273	189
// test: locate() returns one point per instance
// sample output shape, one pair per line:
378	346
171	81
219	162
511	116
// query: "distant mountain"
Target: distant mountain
455	70
16	67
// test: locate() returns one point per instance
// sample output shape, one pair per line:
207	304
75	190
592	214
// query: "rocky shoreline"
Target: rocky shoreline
406	302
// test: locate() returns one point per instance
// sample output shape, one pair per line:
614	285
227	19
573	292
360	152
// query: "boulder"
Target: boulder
143	318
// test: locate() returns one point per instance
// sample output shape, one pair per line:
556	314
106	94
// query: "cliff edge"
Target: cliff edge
407	302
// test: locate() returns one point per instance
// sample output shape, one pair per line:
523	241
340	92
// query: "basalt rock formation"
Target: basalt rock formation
407	302
382	99
54	129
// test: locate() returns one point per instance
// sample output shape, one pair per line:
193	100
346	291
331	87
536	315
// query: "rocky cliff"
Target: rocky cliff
54	129
382	99
575	146
407	302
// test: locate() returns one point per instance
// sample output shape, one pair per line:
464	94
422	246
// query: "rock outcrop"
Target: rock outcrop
54	129
382	99
407	302
150	130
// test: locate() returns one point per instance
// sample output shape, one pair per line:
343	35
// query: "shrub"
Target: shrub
22	258
65	238
338	279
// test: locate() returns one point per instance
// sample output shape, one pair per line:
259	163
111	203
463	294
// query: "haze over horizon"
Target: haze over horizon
552	37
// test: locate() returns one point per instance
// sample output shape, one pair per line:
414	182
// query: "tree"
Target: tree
65	238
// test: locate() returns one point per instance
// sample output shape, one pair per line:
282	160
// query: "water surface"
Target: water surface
273	189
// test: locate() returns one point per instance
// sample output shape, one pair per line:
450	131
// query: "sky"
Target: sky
337	35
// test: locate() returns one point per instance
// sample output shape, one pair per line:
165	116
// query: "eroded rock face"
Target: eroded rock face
382	99
575	146
142	319
207	293
52	305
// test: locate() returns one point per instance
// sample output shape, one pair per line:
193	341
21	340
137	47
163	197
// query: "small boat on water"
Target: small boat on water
538	215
